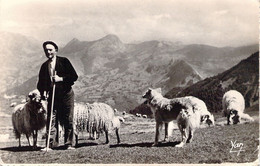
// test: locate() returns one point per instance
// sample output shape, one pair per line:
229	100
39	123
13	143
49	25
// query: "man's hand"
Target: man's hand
57	78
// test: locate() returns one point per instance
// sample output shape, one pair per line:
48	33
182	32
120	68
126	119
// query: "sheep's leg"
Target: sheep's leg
27	136
191	132
228	121
95	135
19	141
157	133
107	140
34	144
35	135
246	117
90	132
117	136
18	135
77	139
184	136
166	138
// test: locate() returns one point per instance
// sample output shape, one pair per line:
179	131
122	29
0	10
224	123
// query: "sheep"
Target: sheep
30	117
144	116
124	113
138	115
95	118
13	104
166	110
189	119
233	104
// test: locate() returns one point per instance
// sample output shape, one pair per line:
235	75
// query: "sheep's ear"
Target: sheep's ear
203	118
31	95
235	112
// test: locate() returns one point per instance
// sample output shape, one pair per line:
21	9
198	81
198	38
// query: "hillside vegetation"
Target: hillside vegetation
243	77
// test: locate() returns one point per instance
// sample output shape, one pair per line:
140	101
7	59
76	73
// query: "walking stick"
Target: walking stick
52	104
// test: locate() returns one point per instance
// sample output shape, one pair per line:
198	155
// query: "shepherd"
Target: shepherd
60	84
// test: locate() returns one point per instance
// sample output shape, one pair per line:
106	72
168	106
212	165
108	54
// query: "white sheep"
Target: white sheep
13	104
30	117
144	116
191	118
233	104
96	118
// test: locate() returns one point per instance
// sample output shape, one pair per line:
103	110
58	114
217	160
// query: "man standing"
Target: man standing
64	96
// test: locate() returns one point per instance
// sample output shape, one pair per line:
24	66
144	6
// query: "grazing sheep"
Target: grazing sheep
144	116
96	118
124	113
166	110
30	117
138	115
13	104
233	107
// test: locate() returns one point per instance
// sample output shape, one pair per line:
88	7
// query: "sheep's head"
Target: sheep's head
184	113
116	121
35	98
234	117
208	119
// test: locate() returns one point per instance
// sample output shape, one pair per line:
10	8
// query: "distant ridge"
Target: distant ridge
117	73
243	77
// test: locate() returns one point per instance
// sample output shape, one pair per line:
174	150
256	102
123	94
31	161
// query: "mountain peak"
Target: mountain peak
110	42
111	37
74	40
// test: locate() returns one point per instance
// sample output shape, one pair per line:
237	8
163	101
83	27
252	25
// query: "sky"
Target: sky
213	22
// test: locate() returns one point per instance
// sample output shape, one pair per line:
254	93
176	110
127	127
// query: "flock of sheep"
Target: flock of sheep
30	117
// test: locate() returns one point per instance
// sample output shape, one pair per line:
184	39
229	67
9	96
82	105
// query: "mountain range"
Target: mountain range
242	77
114	72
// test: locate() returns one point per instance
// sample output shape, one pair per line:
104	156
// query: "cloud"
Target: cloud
215	22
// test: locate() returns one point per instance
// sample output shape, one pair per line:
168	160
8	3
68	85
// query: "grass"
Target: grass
210	145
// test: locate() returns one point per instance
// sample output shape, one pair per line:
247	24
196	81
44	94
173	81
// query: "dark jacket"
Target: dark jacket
64	69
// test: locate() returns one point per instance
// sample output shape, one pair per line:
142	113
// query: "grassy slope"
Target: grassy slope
210	145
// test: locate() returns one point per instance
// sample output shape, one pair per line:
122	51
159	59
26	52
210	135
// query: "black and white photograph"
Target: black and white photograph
129	82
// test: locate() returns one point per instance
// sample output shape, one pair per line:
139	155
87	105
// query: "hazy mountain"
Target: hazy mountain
243	77
21	57
209	60
113	72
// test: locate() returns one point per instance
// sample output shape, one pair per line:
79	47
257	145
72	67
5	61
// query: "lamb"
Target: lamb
30	117
189	120
96	117
233	104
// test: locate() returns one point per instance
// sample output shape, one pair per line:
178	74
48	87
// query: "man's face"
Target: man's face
50	51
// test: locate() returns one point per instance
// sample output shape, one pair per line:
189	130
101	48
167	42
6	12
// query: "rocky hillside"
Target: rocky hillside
243	77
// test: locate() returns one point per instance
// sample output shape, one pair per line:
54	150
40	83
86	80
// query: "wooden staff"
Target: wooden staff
52	105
